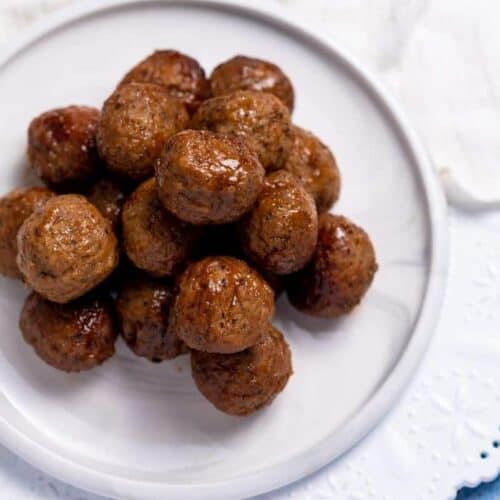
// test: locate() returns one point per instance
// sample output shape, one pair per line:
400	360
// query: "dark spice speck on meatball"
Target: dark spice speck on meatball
249	73
136	122
315	167
143	311
62	146
208	178
71	337
279	234
222	305
155	240
244	382
340	272
66	248
15	208
180	75
261	119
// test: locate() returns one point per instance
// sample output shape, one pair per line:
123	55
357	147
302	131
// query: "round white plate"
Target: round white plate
137	430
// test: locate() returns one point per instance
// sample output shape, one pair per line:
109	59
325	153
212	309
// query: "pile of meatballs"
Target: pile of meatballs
174	218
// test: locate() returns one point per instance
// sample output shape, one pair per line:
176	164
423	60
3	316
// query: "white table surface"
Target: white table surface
440	59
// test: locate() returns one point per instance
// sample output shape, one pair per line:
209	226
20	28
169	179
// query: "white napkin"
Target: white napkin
440	59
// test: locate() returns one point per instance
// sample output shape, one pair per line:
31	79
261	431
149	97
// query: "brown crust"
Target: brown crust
66	248
70	337
249	73
108	195
62	146
143	311
180	75
15	208
244	382
222	306
315	167
279	234
208	178
340	272
261	119
136	122
154	239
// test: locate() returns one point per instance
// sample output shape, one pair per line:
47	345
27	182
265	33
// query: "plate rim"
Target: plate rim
383	398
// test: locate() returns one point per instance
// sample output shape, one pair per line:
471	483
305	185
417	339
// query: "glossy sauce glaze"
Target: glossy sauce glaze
222	305
208	178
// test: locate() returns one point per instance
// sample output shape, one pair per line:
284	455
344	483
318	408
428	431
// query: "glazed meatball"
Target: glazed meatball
154	239
259	118
244	382
15	208
339	273
181	75
143	310
279	234
315	167
222	305
62	146
66	248
136	121
71	337
108	195
248	73
208	178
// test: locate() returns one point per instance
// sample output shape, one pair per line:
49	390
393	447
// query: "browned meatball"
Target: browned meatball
208	178
143	310
66	248
279	234
340	272
136	121
15	208
108	195
154	239
315	167
181	75
248	73
62	146
70	337
244	382
260	118
222	305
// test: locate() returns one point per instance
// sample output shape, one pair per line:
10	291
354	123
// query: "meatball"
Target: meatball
248	73
71	337
143	310
340	272
208	178
314	166
136	121
279	234
259	118
62	146
181	75
154	239
66	248
108	195
15	208
222	305
244	382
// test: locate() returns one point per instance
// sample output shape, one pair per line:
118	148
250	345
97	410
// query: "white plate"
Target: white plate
137	430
